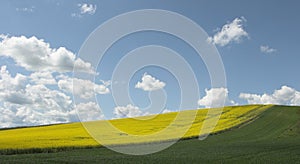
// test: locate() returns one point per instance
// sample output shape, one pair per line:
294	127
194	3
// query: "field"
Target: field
74	135
273	137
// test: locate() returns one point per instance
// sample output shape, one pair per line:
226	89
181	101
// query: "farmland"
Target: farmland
274	136
74	134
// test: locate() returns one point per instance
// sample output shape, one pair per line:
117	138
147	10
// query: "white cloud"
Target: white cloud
86	89
3	36
106	83
85	9
36	55
76	15
230	32
167	111
45	78
267	49
283	96
27	101
89	111
26	9
36	97
8	82
130	111
215	97
150	83
25	104
127	111
15	98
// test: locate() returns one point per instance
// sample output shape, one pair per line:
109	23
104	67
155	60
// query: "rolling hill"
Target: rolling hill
75	135
269	134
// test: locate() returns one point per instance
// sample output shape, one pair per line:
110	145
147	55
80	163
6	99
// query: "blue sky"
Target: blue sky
260	58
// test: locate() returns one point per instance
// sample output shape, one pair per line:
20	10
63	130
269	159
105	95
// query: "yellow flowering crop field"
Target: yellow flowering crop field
166	126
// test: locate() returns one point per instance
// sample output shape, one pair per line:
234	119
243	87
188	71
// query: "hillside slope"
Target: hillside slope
274	137
74	135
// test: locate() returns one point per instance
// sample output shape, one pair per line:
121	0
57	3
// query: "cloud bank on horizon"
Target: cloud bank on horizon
43	94
283	96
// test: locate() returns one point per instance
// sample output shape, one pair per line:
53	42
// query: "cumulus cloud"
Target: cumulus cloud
215	97
26	9
230	32
28	101
127	111
7	81
15	97
150	83
85	8
25	104
283	96
3	36
130	111
167	111
45	78
266	49
42	94
35	54
86	89
89	111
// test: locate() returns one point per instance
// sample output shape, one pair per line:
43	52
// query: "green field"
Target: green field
274	136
